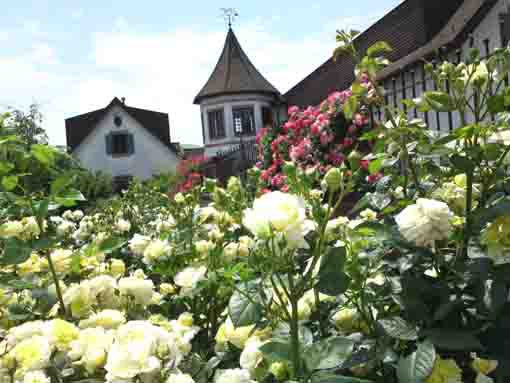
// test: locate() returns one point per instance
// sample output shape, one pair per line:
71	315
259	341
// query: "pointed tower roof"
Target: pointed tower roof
234	73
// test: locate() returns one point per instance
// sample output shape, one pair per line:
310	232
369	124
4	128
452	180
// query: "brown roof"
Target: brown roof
467	17
409	26
79	127
234	73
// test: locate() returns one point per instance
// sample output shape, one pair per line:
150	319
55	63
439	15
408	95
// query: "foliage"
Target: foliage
27	125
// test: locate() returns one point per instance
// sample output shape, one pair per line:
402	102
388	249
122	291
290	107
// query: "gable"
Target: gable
81	126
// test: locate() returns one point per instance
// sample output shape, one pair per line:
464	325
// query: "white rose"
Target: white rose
204	247
156	250
123	225
188	278
280	213
235	375
425	222
251	356
140	289
11	229
180	378
139	243
36	377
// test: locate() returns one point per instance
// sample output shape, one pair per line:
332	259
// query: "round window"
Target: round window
117	121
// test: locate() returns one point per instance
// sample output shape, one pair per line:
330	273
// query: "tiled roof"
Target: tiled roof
79	127
409	26
234	73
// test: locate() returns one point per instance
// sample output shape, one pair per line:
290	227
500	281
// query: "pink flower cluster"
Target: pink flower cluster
313	138
189	170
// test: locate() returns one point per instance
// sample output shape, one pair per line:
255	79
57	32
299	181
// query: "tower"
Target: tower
236	101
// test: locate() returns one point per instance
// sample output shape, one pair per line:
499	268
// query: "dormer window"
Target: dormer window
244	122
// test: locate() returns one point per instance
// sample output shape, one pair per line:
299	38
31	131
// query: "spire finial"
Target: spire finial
229	15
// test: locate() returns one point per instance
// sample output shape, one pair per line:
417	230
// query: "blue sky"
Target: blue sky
74	56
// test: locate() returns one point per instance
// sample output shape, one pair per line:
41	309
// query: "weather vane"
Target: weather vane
229	14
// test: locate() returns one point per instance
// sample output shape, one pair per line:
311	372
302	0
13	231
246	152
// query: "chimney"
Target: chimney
123	99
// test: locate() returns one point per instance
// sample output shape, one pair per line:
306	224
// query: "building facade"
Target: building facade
236	101
123	141
418	31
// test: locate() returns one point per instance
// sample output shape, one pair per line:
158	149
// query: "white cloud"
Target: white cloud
4	35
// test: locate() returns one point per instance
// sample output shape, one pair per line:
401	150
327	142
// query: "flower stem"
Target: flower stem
57	286
294	328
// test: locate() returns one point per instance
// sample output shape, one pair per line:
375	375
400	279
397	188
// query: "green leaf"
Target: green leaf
111	244
331	378
496	104
439	101
350	107
398	328
76	262
455	340
379	48
15	252
276	351
70	197
10	182
375	166
462	163
332	280
328	353
43	153
5	167
417	366
60	184
244	311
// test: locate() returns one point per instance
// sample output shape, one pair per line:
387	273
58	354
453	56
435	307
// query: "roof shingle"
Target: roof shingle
234	73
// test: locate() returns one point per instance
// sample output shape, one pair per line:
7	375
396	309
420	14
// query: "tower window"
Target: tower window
244	123
267	116
216	124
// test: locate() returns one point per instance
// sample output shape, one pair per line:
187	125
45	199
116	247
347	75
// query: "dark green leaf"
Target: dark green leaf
462	163
111	244
331	378
496	104
455	340
332	279
417	366
15	252
327	353
244	311
398	328
276	351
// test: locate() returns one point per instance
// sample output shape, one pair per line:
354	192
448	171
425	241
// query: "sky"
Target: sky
72	57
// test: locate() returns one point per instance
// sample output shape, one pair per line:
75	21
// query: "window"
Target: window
216	124
244	123
267	116
120	144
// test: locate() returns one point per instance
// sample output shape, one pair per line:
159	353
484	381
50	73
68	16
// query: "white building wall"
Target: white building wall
228	103
150	155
